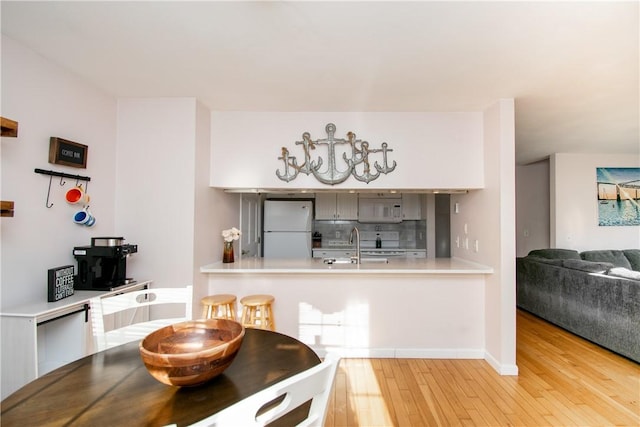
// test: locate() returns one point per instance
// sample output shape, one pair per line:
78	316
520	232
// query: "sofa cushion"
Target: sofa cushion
587	266
549	261
633	256
615	257
624	273
555	253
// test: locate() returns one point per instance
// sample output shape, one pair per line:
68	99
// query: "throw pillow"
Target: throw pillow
633	255
624	273
615	257
555	253
587	266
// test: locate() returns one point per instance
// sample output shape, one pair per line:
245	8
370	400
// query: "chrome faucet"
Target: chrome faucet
357	257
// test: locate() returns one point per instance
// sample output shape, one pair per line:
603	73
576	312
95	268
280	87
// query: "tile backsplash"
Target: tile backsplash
410	234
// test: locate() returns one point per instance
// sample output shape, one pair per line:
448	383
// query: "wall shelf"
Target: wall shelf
6	208
8	127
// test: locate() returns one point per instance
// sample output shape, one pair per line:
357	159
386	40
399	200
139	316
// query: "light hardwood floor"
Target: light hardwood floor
563	381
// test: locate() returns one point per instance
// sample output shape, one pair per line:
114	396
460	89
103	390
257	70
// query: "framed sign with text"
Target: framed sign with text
68	153
60	283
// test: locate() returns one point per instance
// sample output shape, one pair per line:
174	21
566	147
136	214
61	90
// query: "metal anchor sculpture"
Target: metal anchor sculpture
331	175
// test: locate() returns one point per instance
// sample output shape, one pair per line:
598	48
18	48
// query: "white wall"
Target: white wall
432	150
154	191
488	217
574	207
532	207
48	101
164	203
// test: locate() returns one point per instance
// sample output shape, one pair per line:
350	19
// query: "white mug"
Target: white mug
84	217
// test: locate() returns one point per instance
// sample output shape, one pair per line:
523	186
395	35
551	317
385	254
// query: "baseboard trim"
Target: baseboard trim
420	353
499	367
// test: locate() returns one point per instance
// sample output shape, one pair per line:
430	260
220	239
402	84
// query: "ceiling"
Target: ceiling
572	67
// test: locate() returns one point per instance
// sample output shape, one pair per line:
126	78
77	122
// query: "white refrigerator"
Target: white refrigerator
287	228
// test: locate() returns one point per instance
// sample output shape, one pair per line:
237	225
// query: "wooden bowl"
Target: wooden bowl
192	352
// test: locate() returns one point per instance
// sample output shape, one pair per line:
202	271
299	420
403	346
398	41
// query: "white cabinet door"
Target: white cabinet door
418	253
250	225
412	206
346	206
325	206
62	341
337	206
332	253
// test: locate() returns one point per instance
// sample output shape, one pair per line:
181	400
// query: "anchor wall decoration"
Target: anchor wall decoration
359	153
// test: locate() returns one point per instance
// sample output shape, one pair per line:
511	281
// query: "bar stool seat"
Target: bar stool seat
220	306
257	312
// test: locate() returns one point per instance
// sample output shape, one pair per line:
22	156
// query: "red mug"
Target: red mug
76	195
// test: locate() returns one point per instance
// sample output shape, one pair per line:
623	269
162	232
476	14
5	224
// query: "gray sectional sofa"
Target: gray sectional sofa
594	294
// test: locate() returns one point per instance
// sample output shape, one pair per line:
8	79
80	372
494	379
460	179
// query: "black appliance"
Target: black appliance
103	265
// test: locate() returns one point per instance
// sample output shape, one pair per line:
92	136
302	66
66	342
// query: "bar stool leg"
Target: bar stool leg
272	321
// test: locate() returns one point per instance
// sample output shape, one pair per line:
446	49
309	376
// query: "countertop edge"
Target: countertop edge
317	267
42	309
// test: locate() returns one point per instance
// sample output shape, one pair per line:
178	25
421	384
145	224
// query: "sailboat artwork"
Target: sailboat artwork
618	194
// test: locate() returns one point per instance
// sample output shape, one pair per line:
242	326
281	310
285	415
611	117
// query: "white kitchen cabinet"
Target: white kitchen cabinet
46	335
343	206
333	253
416	253
412	206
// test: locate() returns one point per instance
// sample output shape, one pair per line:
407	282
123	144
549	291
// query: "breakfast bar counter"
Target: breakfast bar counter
429	308
369	266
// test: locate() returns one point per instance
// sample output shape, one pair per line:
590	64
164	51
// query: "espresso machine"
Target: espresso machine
103	265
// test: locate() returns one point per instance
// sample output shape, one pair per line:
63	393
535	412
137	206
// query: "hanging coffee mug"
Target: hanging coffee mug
84	217
76	195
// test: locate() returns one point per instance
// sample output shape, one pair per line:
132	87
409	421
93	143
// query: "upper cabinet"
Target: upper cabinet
342	206
412	204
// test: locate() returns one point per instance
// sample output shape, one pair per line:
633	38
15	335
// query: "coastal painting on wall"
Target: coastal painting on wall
618	196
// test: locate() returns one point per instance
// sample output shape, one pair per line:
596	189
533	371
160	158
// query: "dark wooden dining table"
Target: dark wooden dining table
113	387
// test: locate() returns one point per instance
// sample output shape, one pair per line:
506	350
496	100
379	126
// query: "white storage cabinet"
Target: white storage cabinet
412	204
343	206
42	336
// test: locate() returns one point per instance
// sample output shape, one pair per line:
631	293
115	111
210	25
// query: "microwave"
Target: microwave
377	210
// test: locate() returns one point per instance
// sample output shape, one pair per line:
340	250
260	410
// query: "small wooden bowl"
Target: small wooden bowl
192	352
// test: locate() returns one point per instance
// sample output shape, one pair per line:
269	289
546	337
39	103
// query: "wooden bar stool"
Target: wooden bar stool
257	312
222	306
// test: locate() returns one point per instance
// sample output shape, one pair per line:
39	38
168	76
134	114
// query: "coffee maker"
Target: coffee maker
103	265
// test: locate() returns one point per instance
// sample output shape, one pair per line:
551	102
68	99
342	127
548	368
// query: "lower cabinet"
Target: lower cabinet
419	253
333	253
45	336
63	340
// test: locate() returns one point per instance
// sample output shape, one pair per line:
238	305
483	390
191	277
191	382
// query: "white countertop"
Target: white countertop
42	310
317	266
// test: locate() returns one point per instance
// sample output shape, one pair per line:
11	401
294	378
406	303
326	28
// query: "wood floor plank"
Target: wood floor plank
563	380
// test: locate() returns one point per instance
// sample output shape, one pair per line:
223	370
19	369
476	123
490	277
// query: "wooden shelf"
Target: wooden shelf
9	127
6	208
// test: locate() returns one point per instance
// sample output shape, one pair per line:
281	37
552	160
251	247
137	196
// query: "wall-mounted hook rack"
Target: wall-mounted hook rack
61	175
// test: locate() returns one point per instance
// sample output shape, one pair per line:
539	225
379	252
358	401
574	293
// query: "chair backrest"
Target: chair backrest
136	326
313	384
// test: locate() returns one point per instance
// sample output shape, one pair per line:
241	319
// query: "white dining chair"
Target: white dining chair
313	384
131	325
